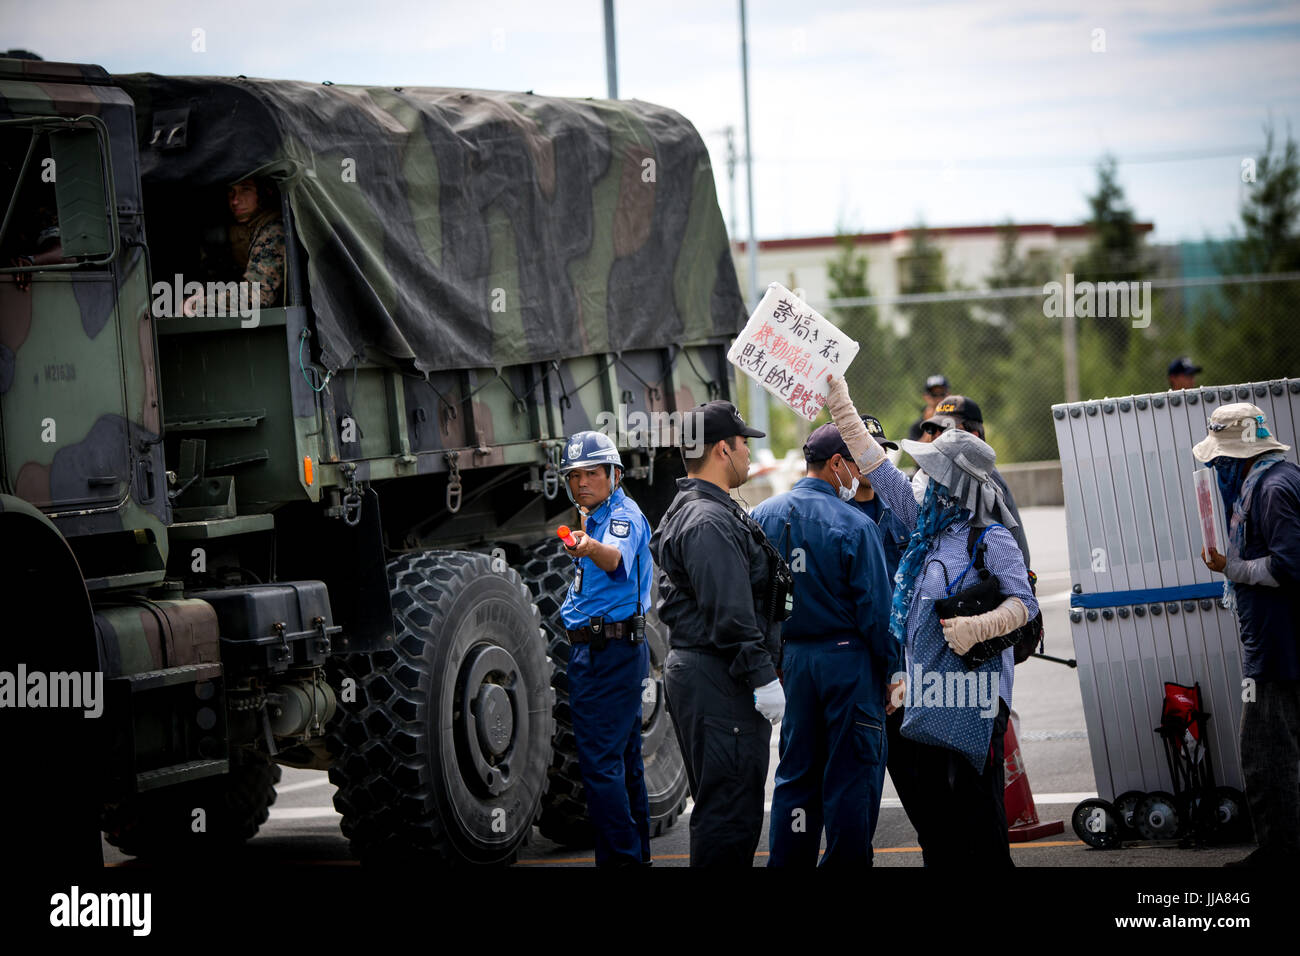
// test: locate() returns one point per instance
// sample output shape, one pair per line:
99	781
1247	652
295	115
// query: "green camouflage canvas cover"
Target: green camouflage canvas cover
453	229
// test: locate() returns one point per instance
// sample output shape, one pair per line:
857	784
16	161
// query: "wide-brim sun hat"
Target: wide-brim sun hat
1239	430
963	463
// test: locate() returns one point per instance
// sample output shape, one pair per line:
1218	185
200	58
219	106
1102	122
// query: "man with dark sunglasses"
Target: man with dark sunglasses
936	390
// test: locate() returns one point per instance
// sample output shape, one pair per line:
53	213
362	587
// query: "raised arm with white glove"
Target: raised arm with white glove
963	633
769	700
890	483
866	451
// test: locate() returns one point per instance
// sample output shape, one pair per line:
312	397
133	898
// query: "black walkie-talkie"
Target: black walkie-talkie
638	619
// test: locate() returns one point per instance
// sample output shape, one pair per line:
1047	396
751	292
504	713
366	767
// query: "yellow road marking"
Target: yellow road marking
887	849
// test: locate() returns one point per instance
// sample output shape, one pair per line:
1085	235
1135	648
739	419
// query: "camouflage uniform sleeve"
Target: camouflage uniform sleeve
265	267
266	263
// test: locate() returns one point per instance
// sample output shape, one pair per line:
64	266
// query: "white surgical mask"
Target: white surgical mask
846	494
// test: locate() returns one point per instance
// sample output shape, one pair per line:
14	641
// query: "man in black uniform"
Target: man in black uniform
715	572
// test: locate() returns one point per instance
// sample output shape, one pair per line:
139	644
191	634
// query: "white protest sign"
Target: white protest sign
789	348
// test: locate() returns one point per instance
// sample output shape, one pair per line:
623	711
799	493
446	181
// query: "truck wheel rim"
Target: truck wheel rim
490	731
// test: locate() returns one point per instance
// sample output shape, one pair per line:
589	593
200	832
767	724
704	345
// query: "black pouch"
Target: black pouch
981	597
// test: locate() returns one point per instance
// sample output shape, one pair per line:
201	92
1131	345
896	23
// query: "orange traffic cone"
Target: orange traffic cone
1022	815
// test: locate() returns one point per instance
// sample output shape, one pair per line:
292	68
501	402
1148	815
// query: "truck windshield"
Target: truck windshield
31	224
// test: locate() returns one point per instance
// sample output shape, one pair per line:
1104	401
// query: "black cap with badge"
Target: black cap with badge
959	407
1183	366
877	431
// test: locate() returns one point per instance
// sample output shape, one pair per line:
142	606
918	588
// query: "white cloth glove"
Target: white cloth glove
1254	571
769	700
963	633
866	451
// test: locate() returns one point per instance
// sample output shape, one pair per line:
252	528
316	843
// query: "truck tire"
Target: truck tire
548	570
442	756
160	823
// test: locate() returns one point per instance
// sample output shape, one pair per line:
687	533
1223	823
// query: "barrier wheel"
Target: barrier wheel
1097	824
1126	805
1157	817
1232	814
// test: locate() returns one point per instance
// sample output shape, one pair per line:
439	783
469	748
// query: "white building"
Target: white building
969	255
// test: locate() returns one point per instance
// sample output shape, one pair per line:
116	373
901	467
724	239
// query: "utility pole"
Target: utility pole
731	175
1070	347
611	56
758	416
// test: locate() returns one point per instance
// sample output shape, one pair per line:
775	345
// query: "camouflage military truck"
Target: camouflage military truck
322	535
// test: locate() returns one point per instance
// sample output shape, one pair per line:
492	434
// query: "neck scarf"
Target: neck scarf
938	510
1245	487
1230	473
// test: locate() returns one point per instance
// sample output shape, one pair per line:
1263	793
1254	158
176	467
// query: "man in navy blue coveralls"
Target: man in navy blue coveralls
837	658
894	537
610	661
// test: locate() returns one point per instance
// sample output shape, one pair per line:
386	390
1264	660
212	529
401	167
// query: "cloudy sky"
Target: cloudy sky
873	115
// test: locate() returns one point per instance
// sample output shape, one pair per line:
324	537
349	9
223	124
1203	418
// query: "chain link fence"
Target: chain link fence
1018	351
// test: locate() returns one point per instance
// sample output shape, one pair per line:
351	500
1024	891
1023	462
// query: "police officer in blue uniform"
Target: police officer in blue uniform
604	615
837	659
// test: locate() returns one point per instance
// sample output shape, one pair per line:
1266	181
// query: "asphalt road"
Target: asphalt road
304	826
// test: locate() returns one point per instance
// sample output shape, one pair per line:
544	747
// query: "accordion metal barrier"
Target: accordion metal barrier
1145	609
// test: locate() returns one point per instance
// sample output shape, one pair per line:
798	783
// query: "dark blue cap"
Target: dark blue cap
1183	366
824	443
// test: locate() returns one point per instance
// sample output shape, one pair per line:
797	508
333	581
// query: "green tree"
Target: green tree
945	337
1114	255
1011	271
870	376
1031	375
1246	333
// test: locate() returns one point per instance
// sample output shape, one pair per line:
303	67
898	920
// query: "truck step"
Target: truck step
169	676
241	419
179	773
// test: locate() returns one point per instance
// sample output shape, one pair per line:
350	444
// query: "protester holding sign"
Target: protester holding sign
1261	497
960	818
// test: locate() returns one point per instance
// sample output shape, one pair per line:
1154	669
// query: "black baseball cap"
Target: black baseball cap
1183	366
720	419
959	407
936	381
877	431
824	443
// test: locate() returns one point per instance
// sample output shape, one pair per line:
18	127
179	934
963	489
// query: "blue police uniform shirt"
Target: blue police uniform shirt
893	533
619	523
841	586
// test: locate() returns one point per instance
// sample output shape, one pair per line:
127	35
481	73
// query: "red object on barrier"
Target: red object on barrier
566	536
1022	815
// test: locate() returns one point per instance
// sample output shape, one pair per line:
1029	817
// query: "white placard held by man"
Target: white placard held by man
789	348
